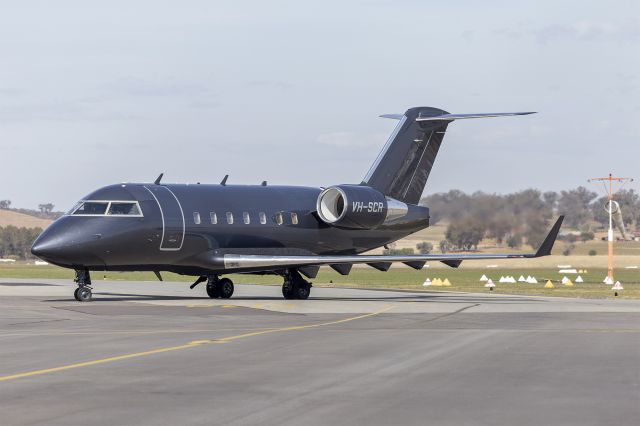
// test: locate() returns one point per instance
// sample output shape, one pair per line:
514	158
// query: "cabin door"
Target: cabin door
172	217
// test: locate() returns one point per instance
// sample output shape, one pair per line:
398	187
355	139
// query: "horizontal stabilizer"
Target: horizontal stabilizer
392	116
451	117
402	168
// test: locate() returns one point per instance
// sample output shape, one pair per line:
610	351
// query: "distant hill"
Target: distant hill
21	220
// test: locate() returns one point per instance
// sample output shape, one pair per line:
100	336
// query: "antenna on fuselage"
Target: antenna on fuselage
224	180
158	179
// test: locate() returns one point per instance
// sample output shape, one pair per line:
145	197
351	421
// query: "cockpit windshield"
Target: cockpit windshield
92	208
106	208
129	209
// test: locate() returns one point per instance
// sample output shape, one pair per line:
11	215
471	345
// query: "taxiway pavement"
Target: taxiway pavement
160	354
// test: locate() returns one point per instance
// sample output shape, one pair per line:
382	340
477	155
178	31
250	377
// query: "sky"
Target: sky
94	93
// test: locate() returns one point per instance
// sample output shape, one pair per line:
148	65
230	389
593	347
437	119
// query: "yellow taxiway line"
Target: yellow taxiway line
189	345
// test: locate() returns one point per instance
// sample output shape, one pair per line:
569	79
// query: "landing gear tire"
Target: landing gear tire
302	290
82	294
213	290
288	290
225	287
295	287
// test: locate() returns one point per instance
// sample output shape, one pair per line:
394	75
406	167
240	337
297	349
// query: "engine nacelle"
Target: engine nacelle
353	206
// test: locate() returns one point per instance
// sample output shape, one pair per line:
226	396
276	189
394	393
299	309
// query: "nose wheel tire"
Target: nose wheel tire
82	294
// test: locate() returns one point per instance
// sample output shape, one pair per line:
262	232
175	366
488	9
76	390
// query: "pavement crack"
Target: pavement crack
62	308
448	314
38	322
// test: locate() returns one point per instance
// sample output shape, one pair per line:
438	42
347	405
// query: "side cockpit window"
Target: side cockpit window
107	208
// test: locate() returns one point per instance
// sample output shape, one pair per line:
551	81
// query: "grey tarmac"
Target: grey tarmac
154	353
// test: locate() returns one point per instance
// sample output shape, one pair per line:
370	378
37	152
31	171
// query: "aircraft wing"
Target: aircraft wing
233	261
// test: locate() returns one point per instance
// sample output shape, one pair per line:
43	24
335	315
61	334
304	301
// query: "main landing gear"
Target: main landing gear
83	292
219	288
294	286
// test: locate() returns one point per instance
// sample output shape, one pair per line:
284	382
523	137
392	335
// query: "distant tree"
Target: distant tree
514	241
5	204
465	234
586	236
570	238
424	247
499	225
550	199
535	228
444	246
592	252
568	249
17	242
45	208
575	204
629	202
397	252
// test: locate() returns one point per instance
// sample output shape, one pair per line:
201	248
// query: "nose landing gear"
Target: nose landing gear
294	286
83	292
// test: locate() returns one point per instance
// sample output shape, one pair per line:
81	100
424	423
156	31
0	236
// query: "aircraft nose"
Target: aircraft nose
56	244
45	246
66	244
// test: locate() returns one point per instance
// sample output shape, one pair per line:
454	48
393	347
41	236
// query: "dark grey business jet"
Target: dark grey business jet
212	230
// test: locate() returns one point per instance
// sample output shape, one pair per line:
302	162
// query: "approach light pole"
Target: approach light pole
609	189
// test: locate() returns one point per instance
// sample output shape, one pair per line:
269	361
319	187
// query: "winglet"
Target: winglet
224	180
158	179
547	244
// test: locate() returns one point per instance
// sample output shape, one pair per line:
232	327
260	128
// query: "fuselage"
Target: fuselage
180	227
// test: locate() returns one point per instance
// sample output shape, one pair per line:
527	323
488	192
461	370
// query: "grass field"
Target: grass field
462	279
9	217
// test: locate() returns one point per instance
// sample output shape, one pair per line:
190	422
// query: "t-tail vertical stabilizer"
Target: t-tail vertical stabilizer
404	164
